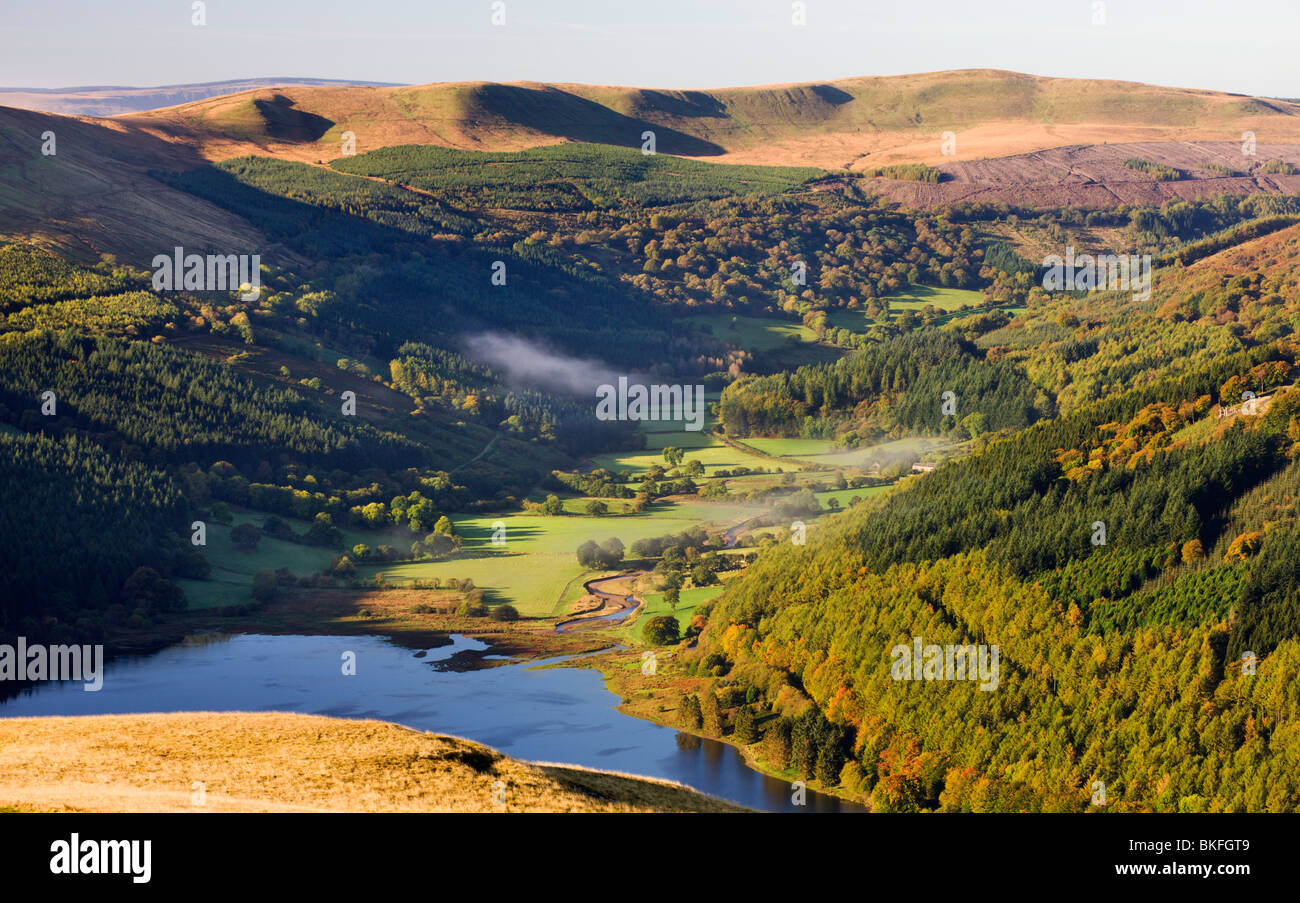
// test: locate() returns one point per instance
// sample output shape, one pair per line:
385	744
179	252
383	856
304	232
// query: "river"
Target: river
548	715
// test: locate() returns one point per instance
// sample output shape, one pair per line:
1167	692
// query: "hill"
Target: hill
113	100
853	123
1021	140
94	194
276	762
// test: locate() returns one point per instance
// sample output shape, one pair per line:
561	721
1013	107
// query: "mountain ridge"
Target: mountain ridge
853	123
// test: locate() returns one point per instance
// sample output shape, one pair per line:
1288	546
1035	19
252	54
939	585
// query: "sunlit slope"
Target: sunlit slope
832	125
276	762
83	186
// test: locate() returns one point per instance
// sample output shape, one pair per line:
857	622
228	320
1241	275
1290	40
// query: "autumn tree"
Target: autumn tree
711	712
689	712
746	729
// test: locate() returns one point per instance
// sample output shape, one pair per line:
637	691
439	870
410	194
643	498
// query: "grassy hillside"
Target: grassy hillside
276	762
831	125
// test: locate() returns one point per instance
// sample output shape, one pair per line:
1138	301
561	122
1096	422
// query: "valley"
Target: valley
394	446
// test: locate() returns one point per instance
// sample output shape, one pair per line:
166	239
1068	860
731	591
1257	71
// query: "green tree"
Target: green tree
702	575
746	728
661	630
830	761
423	515
611	552
589	554
711	712
151	590
689	713
776	744
672	596
343	567
265	586
246	536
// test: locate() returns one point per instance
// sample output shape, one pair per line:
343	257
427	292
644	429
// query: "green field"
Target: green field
799	448
686	605
233	568
824	451
752	333
916	297
845	496
917	447
714	456
536	568
699	445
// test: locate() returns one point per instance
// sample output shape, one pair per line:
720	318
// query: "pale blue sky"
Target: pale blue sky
1246	46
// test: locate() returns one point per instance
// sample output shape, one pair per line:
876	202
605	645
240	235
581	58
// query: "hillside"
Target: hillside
1095	177
1127	658
114	100
95	194
1021	140
276	762
853	123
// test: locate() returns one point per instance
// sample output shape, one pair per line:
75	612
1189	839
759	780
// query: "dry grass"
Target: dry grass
273	762
858	122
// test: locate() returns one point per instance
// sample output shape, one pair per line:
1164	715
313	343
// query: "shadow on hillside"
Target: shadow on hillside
689	104
831	94
564	115
286	123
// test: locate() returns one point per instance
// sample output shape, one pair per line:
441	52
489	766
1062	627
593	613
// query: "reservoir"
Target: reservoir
547	715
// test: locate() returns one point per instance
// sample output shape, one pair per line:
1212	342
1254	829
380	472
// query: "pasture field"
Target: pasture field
698	444
916	297
231	580
914	446
845	496
825	451
714	456
752	333
655	605
537	569
794	448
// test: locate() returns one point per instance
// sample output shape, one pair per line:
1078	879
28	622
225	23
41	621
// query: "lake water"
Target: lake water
552	715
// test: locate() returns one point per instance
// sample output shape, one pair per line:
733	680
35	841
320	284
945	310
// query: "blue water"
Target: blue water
551	715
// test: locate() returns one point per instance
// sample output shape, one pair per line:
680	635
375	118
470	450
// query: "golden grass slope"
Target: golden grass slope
852	123
94	195
275	762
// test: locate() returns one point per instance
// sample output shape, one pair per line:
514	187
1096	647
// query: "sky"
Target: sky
1245	46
